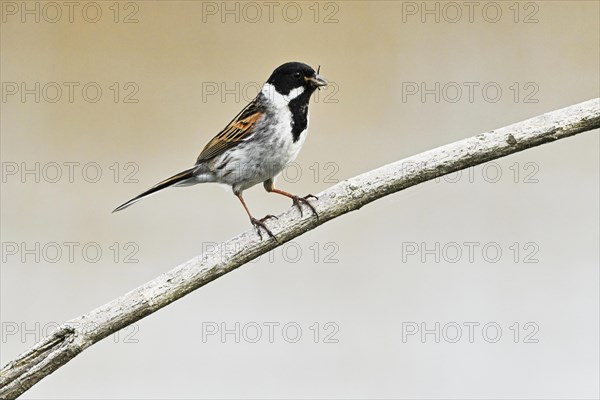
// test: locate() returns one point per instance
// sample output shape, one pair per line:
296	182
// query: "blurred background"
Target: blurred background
482	284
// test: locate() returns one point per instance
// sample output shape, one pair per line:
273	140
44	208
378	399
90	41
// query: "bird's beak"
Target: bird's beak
316	81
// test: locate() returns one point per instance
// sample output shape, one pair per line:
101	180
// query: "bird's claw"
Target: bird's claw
259	223
297	200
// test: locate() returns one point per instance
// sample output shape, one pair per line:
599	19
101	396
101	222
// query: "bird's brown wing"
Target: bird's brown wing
238	130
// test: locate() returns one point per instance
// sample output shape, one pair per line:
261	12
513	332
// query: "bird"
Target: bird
265	136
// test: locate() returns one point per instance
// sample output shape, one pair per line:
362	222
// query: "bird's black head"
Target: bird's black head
293	75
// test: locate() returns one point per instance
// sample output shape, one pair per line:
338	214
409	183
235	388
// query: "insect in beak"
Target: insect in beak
323	82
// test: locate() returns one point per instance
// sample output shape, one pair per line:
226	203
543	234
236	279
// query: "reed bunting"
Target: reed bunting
258	143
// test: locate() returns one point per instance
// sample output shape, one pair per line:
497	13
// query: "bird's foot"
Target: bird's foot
266	217
260	223
304	200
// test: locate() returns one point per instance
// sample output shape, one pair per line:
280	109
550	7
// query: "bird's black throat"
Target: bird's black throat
299	110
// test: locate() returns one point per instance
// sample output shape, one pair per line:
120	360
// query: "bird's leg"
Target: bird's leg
258	223
270	187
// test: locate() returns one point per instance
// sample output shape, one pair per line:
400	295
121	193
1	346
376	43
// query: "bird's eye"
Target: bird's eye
297	75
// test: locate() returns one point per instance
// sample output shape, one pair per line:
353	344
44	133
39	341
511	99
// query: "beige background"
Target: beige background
375	289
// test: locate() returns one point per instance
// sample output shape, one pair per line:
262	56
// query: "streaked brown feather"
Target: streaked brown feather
236	131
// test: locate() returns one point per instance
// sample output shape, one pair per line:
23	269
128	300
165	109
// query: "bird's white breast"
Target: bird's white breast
284	149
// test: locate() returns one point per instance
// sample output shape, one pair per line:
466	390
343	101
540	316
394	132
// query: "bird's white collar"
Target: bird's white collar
278	99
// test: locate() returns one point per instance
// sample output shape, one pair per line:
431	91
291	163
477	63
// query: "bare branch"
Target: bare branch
78	334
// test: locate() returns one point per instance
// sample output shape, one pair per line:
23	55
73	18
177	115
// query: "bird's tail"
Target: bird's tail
174	180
